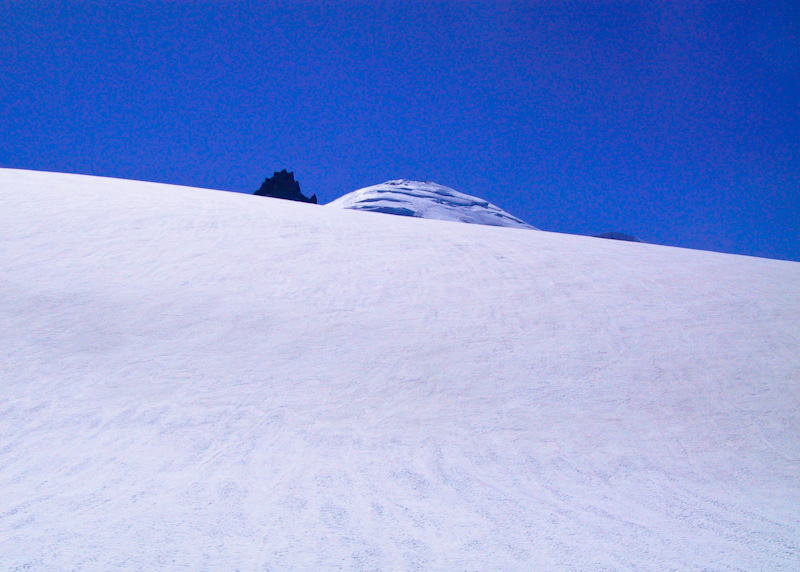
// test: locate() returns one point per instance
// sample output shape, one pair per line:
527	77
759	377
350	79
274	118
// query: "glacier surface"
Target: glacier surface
424	199
199	380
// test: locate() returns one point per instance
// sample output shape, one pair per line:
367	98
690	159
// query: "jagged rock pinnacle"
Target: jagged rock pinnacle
282	185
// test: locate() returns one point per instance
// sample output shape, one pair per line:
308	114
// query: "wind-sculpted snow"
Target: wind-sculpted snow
427	200
199	380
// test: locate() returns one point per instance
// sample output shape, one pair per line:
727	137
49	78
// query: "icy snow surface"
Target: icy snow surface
427	200
200	380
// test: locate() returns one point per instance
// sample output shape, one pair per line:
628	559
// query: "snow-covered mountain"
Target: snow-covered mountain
200	380
424	199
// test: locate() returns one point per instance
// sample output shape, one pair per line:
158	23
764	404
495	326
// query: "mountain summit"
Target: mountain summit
427	200
281	185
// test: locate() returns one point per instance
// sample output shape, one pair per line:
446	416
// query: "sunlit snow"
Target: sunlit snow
427	200
199	380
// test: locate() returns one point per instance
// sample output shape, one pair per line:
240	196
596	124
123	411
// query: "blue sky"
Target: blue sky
676	122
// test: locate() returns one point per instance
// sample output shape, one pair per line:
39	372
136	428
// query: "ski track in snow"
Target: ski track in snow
197	380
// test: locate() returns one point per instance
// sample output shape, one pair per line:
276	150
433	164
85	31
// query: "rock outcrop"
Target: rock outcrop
618	236
282	185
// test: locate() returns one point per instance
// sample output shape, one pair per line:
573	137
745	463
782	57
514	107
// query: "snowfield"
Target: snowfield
424	199
200	380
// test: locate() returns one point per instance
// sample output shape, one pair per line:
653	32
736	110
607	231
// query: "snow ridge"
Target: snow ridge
424	199
202	380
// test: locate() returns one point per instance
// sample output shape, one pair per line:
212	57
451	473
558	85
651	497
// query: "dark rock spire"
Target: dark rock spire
282	185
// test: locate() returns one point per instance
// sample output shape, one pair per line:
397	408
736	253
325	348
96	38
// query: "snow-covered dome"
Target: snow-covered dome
427	200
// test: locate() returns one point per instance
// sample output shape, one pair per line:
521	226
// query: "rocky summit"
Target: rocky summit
282	185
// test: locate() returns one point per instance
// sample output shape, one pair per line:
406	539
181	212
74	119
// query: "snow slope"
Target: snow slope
427	200
198	380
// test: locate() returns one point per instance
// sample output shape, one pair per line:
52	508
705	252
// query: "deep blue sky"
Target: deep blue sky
676	122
